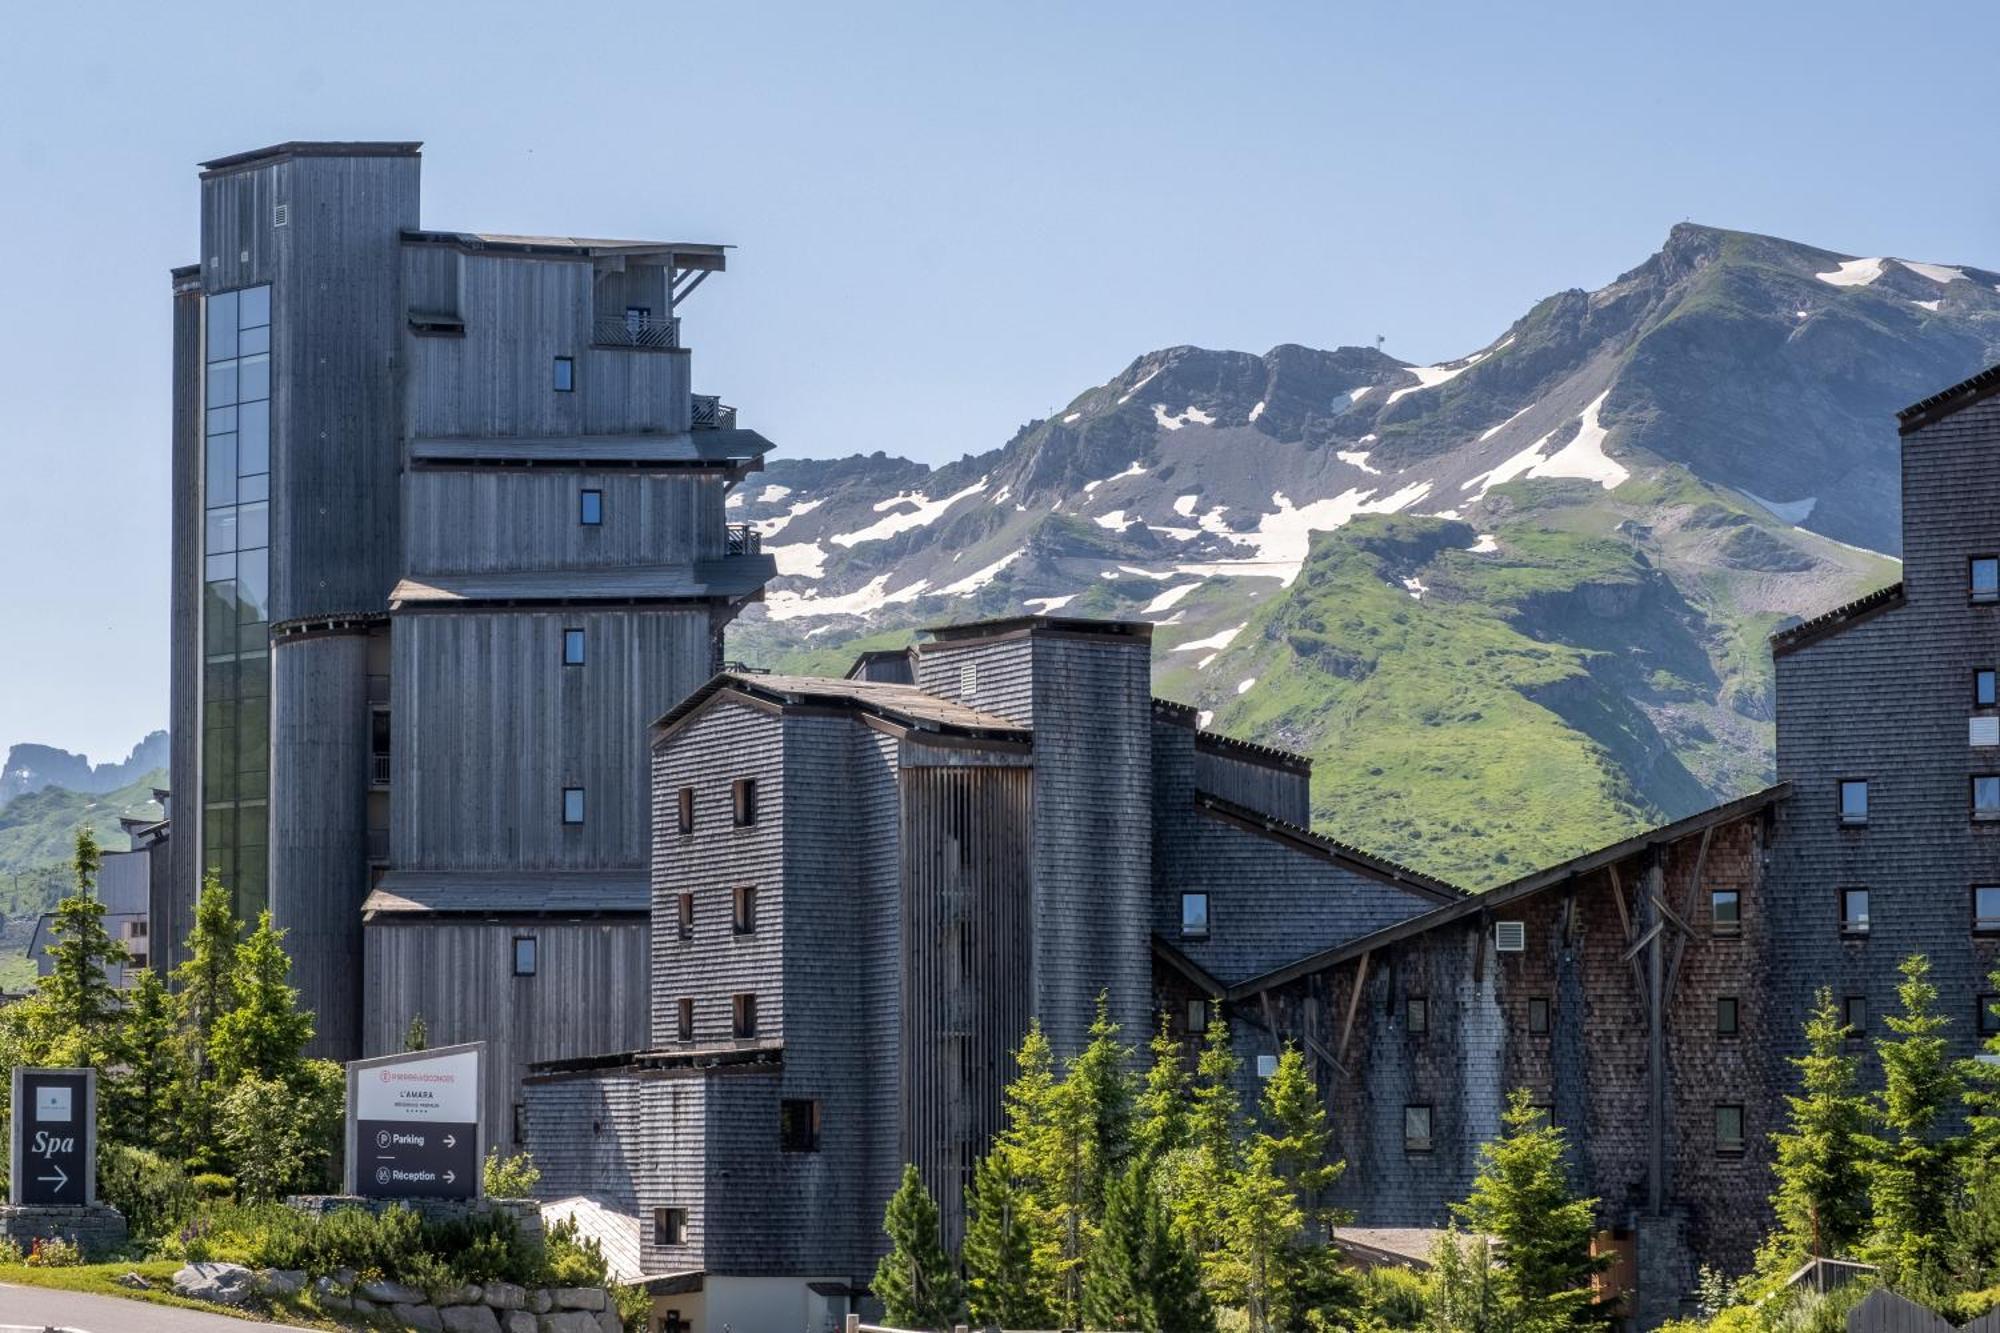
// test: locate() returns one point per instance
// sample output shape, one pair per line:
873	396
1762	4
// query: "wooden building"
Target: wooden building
448	534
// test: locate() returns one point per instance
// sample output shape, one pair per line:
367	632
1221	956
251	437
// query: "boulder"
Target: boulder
135	1282
224	1284
506	1296
541	1300
344	1278
579	1298
568	1321
519	1321
419	1316
384	1292
361	1305
284	1283
609	1322
469	1319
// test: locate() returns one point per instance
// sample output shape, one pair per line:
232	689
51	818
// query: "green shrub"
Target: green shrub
634	1306
574	1260
511	1177
212	1185
54	1252
152	1192
1394	1298
10	1253
429	1274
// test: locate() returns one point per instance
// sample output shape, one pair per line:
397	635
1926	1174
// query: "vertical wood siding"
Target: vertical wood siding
478	521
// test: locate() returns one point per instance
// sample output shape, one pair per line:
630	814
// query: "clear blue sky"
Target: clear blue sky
952	217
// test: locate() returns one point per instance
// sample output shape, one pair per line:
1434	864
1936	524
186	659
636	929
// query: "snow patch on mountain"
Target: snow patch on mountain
1257	411
1852	273
1357	458
1049	605
973	582
799	559
1794	512
1184	505
1486	545
1583	458
1165	601
1189	415
1491	431
870	596
1938	273
924	511
1144	380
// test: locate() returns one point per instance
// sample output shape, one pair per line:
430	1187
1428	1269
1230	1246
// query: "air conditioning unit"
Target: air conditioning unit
1510	936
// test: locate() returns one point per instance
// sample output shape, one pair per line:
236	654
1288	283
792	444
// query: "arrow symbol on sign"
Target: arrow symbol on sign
451	1140
60	1177
450	1176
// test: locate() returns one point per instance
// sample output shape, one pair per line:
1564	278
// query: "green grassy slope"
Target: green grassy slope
39	829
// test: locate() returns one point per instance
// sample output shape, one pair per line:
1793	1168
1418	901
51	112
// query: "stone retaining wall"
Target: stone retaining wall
98	1230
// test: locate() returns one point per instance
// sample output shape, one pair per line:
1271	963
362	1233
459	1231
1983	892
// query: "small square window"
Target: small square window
745	898
684	800
572	647
1854	800
1726	1015
565	374
1985	688
1194	916
1986	909
1729	1128
798	1124
1986	796
1510	937
743	801
743	1015
670	1226
684	1018
590	508
1725	912
1416	1129
1267	1065
1417	1014
686	916
1538	1014
524	955
1197	1015
1855	1015
572	805
1854	911
1983	578
1989	1015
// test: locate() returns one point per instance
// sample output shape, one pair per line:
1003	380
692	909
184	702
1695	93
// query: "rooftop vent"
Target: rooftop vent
968	680
1510	936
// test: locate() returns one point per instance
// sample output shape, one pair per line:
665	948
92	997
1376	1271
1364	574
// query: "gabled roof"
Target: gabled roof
1942	404
1305	840
1554	876
1832	622
905	704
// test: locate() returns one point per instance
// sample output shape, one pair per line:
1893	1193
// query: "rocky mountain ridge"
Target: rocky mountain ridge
32	767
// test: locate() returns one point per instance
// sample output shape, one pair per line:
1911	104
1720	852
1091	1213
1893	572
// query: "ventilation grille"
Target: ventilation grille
968	680
1510	936
281	215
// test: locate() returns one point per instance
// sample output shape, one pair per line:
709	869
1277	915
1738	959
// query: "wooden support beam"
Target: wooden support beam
1270	1019
1656	1047
1688	906
1625	921
1671	917
1353	1004
1652	933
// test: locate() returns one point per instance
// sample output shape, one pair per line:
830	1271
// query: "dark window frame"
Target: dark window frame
1541	1015
1197	1014
684	917
684	810
684	1018
534	956
798	1124
1417	1014
743	909
587	514
1855	1031
1849	924
1985	687
1733	1027
1985	1021
582	807
1428	1141
743	802
573	634
743	1015
1972	590
670	1226
1725	1146
1840	814
1984	925
1207	928
562	374
1987	814
1716	924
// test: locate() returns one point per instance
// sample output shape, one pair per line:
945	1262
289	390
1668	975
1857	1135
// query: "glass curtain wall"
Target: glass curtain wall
236	620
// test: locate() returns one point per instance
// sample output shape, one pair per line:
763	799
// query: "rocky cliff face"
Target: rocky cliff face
1606	508
33	767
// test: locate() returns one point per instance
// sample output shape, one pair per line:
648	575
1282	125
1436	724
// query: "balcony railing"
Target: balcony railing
742	539
378	770
711	413
636	331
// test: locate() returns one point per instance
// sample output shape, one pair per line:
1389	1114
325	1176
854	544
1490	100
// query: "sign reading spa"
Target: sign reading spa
54	1150
413	1124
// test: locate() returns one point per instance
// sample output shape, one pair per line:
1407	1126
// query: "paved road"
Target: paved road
37	1308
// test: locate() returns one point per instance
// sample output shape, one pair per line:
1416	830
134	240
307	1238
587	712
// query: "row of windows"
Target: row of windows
798	1132
743	911
1419	1120
742	805
1984	902
1982	797
1728	1015
742	1017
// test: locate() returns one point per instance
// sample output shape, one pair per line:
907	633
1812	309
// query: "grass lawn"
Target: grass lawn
102	1280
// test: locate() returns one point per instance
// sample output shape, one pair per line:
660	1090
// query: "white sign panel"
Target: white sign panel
53	1105
444	1088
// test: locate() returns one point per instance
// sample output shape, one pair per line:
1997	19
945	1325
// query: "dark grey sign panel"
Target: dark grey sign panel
53	1155
413	1124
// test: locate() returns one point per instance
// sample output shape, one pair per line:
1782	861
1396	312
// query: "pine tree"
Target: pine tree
1002	1289
1459	1287
266	1032
1142	1275
1309	1281
1103	1075
205	984
1911	1178
138	1105
1260	1218
73	1013
1215	1120
1821	1200
914	1281
1521	1198
1030	1147
1163	1102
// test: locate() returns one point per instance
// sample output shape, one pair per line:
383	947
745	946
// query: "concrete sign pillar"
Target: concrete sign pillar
414	1128
52	1159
